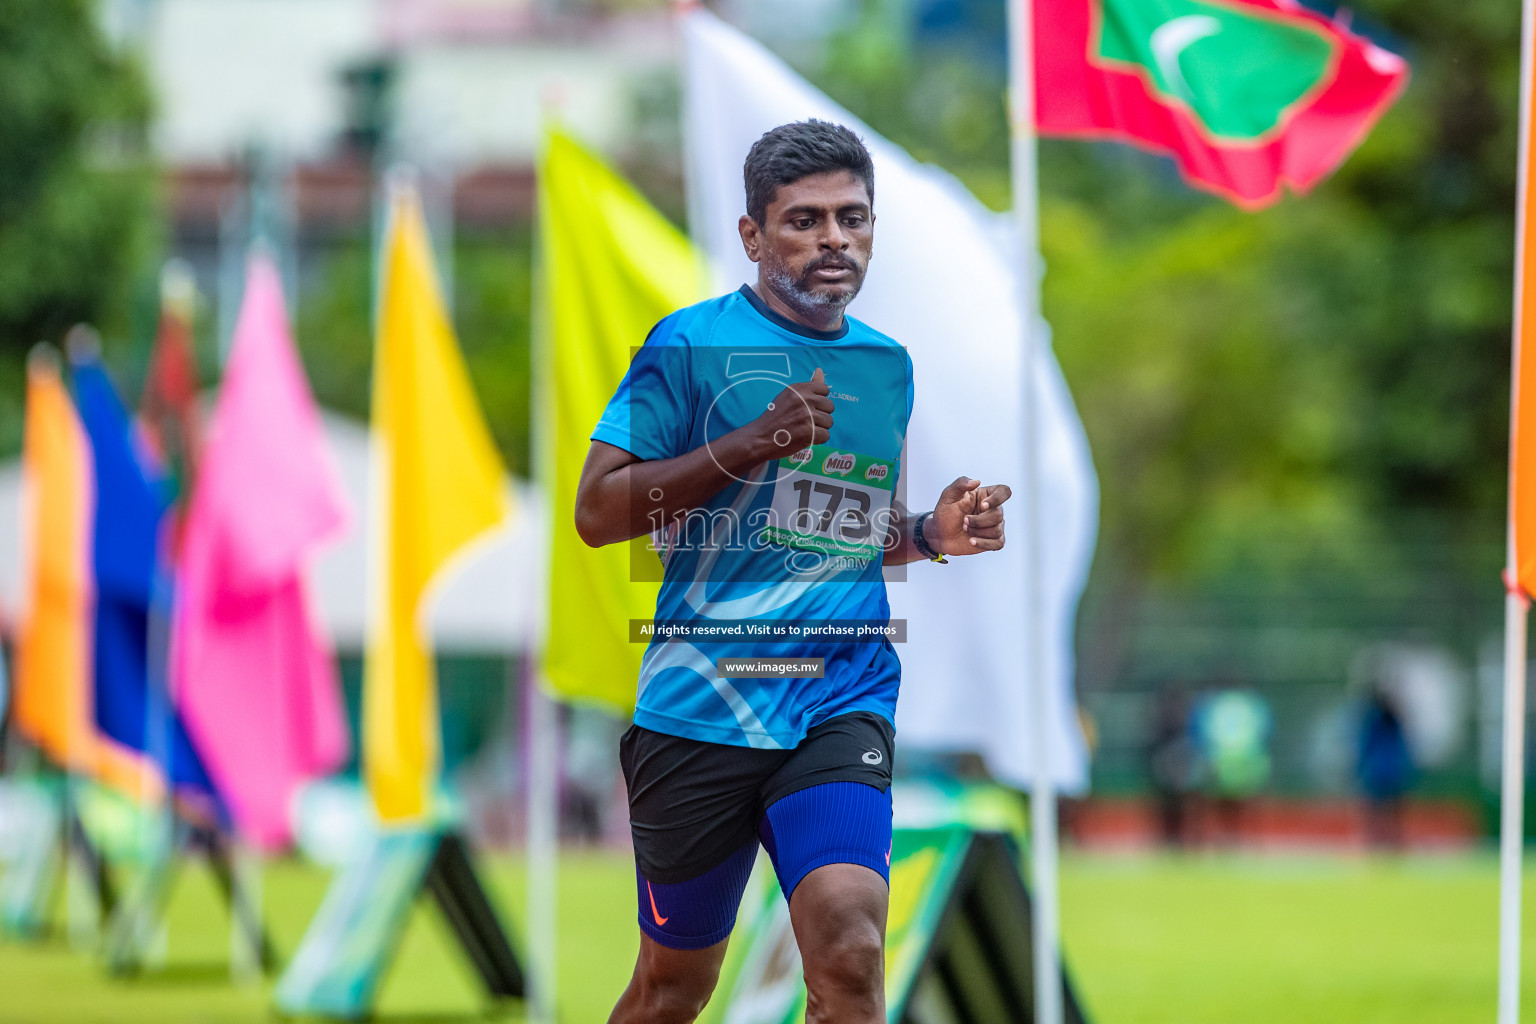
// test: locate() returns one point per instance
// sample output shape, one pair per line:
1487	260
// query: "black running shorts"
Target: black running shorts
692	804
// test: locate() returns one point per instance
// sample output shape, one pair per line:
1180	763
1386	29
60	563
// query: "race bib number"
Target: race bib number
833	501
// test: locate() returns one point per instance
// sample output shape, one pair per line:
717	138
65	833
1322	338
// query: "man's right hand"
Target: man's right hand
801	415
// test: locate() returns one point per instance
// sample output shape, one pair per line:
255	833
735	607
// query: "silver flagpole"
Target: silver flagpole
542	714
1512	790
1042	800
1511	830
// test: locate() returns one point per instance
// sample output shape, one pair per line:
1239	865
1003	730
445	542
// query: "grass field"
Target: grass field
1150	940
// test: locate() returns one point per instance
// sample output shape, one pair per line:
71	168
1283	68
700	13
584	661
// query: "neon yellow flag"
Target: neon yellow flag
438	484
612	267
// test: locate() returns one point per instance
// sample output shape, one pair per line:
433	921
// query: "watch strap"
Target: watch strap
921	543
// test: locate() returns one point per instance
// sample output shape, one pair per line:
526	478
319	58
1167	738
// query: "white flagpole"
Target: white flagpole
1511	844
543	838
542	716
1512	790
1042	800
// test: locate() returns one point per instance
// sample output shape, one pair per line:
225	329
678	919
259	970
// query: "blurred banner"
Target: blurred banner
1246	97
251	672
437	486
612	268
53	702
942	283
338	967
957	937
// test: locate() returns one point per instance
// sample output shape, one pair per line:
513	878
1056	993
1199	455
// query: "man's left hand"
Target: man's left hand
968	518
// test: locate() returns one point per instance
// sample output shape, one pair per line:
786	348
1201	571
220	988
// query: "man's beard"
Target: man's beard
799	293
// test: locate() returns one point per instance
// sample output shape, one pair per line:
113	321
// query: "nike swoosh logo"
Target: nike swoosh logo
1172	38
660	921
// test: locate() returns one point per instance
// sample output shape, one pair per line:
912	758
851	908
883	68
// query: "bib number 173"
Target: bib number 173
831	501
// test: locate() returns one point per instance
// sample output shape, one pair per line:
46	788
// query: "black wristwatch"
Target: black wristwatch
921	544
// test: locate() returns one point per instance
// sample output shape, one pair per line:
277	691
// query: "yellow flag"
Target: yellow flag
612	267
54	706
438	484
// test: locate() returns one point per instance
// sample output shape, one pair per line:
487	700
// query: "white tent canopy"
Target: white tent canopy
491	600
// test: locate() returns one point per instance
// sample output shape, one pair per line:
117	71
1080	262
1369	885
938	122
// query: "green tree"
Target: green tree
76	189
492	303
1335	363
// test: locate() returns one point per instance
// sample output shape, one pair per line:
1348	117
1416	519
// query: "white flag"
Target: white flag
942	282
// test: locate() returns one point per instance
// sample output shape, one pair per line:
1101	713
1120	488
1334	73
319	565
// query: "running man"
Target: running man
758	436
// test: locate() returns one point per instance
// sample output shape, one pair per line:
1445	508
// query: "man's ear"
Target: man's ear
751	236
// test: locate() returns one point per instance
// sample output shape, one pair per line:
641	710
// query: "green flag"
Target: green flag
612	267
1204	56
1247	96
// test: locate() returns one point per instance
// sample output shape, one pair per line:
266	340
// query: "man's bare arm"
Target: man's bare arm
899	546
621	496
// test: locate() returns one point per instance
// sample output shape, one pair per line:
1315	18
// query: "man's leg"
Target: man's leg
669	986
684	927
693	811
839	916
830	845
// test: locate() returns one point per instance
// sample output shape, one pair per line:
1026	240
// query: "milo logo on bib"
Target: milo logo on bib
823	460
838	463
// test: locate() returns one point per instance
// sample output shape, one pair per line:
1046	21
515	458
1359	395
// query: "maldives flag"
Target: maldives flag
1245	95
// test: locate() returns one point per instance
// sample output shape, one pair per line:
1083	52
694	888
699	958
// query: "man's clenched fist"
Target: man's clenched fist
799	416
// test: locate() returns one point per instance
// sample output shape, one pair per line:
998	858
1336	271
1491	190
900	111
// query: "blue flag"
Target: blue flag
132	586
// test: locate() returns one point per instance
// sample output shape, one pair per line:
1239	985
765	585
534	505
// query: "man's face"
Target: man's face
815	241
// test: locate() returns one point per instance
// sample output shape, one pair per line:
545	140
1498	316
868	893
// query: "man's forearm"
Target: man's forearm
638	497
900	548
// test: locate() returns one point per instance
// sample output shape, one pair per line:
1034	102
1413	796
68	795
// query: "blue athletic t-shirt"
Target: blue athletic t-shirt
792	542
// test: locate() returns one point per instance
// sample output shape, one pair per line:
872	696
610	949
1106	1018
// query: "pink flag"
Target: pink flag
252	672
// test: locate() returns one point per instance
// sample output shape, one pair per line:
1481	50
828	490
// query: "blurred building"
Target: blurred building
454	82
313	97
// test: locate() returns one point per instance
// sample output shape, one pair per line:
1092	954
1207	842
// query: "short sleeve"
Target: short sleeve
911	389
651	414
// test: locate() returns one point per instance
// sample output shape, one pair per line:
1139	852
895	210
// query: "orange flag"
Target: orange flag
53	638
1521	572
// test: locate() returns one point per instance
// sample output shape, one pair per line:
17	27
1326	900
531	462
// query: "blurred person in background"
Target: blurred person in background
1384	767
1070	807
7	655
1232	730
1173	763
591	772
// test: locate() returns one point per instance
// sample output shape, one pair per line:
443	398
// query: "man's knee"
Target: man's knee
849	967
839	914
669	986
672	1000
